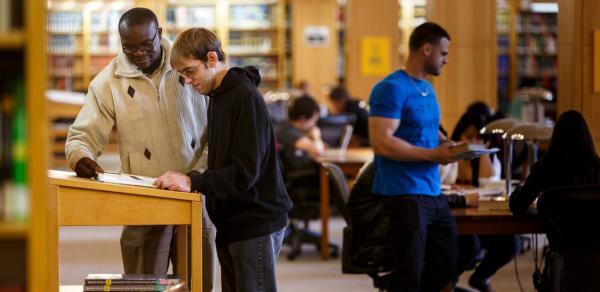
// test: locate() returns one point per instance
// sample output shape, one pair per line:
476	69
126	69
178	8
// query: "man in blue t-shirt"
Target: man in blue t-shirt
403	128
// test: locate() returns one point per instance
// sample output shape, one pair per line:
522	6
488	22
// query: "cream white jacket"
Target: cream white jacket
158	129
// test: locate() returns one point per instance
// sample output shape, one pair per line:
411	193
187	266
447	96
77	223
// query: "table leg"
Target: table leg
196	246
182	253
324	213
53	251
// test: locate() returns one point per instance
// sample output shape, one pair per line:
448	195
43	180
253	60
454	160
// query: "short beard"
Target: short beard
432	70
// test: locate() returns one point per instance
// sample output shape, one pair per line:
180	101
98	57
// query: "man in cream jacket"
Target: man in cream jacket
159	121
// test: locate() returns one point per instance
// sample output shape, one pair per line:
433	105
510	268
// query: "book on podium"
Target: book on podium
126	179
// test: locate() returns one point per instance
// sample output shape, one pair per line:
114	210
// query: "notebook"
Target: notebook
343	145
126	179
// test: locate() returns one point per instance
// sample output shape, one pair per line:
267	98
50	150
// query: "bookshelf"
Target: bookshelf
83	37
255	36
506	64
527	52
23	234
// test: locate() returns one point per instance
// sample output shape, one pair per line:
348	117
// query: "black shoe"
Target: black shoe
483	286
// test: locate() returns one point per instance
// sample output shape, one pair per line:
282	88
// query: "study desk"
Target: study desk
495	218
350	163
74	201
490	218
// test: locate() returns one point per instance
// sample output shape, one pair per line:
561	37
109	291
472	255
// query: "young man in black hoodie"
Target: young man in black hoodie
245	193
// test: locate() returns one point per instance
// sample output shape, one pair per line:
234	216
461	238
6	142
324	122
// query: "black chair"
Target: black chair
333	127
353	259
303	188
571	215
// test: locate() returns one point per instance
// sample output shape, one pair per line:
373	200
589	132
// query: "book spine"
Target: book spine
107	282
126	288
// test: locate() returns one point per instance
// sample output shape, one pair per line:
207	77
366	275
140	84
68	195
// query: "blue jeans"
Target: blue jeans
249	265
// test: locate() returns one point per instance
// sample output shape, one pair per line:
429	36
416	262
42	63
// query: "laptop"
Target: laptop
340	150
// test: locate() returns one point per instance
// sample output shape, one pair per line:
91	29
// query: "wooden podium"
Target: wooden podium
74	201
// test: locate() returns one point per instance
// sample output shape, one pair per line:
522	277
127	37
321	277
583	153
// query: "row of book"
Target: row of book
13	167
133	282
187	16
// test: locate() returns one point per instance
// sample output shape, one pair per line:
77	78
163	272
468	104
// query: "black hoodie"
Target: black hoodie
245	193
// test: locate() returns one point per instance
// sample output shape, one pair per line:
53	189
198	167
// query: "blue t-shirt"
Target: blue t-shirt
397	97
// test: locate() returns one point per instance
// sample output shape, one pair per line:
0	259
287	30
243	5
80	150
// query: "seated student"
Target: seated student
299	137
571	160
341	102
500	249
478	171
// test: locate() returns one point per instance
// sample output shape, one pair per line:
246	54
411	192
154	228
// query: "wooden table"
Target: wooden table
74	201
491	218
350	163
495	218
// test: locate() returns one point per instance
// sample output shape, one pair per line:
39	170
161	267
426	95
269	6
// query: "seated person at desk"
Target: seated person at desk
341	102
500	249
475	172
299	137
571	160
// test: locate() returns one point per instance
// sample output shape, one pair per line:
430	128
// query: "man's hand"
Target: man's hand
174	181
87	168
442	154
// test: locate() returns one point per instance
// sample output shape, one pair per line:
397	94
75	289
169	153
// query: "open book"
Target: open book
470	151
126	179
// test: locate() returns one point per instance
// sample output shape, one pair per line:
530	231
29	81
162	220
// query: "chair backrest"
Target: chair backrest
333	128
568	212
339	189
571	216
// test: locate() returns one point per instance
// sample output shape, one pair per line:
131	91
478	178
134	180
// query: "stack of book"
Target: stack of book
130	282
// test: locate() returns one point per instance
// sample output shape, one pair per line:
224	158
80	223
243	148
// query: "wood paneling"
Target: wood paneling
374	18
316	65
577	20
471	72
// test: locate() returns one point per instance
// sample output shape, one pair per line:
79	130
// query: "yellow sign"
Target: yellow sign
375	56
597	60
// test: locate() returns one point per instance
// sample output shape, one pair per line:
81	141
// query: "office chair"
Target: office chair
570	215
354	260
303	188
333	127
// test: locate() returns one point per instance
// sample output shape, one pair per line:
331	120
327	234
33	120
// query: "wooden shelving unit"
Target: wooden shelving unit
12	39
527	52
92	40
252	32
83	38
23	241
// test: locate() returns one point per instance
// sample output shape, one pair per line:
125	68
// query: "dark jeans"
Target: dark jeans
249	265
425	237
499	250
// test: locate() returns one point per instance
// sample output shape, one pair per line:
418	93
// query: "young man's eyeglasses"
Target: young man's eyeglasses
145	47
191	70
